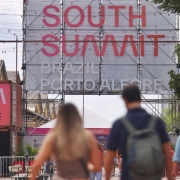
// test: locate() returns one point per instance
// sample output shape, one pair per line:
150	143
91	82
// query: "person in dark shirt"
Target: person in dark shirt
139	118
49	169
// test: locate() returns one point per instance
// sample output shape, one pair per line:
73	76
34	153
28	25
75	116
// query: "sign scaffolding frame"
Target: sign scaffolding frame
101	65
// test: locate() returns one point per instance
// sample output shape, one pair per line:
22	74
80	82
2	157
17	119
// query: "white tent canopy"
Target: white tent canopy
91	120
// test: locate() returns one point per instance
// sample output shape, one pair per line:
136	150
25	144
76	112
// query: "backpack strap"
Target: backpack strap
152	122
131	128
127	124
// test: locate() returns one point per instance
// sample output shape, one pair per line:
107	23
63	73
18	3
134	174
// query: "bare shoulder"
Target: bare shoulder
90	137
88	134
50	137
51	133
47	145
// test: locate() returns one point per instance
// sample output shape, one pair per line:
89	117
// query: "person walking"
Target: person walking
49	169
70	145
119	161
98	175
141	138
115	160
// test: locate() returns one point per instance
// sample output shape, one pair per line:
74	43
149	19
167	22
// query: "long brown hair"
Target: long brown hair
70	136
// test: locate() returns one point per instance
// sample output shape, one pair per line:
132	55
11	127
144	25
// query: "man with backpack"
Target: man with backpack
142	139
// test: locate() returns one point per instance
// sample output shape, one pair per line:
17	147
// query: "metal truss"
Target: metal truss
151	103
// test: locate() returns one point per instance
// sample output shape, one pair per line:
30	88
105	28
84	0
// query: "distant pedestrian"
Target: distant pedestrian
119	161
141	138
70	145
49	169
115	161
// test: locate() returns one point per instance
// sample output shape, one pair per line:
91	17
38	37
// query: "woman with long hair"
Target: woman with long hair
70	145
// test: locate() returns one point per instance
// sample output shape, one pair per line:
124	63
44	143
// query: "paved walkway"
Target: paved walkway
116	177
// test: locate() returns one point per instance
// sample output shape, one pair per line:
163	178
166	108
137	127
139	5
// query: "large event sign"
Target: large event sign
101	46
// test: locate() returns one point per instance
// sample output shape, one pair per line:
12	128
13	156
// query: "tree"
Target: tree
25	149
168	119
31	150
177	52
20	149
173	6
174	83
168	5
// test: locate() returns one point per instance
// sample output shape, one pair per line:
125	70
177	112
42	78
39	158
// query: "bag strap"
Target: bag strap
131	128
152	122
84	165
127	124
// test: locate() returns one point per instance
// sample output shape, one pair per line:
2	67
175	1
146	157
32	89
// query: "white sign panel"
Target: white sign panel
100	45
34	140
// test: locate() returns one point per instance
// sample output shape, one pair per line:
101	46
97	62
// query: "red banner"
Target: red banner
43	131
99	130
5	104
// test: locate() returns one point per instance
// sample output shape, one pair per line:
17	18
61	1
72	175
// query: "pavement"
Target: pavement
116	177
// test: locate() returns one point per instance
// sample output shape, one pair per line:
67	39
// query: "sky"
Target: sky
10	28
109	107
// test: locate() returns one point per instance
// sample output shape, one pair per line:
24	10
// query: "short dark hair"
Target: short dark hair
131	93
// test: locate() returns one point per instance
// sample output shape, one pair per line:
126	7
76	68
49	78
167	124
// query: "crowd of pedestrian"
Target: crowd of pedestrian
138	145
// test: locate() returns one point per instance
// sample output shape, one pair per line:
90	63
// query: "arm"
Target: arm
109	163
164	138
43	155
168	159
112	146
94	153
174	170
176	158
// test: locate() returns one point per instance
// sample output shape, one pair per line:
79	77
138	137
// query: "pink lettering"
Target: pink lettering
50	44
45	11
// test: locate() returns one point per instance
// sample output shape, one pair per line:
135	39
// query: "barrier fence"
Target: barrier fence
8	162
22	163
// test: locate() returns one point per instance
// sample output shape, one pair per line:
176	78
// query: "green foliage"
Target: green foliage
177	52
174	83
173	146
26	150
31	151
168	5
168	119
21	150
